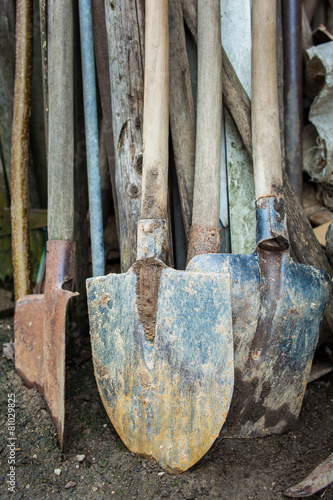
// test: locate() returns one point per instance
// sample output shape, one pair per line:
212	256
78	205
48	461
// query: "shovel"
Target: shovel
39	320
277	305
161	339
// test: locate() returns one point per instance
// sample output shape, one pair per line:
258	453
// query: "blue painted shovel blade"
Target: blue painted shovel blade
168	399
276	321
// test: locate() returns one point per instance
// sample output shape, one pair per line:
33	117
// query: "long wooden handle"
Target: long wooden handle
20	147
206	197
61	126
265	109
156	111
182	112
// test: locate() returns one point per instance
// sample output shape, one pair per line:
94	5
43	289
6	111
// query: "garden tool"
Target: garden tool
277	304
161	338
40	320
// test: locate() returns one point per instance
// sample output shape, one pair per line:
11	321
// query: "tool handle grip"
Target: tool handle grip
265	109
155	111
61	126
206	196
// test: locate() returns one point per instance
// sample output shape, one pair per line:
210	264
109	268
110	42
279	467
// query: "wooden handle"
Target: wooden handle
206	196
156	111
265	109
61	126
20	150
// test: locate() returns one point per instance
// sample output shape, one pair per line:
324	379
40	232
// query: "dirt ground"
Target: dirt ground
95	463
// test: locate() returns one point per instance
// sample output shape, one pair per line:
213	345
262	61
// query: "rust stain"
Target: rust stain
101	371
183	419
202	240
103	300
45	344
148	273
145	378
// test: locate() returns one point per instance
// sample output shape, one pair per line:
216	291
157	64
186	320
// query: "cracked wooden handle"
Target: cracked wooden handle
265	109
155	111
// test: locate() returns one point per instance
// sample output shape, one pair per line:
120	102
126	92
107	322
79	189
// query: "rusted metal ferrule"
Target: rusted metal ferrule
60	260
202	240
152	239
272	233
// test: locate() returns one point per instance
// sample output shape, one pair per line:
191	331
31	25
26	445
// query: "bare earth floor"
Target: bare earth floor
232	469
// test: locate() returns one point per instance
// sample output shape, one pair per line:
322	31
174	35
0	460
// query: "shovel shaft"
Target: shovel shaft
156	112
265	111
61	128
20	146
209	116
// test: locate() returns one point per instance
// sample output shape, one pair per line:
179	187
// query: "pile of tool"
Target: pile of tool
180	355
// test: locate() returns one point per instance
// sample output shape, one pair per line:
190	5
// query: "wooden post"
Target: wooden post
125	37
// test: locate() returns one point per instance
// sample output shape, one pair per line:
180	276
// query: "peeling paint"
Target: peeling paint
168	399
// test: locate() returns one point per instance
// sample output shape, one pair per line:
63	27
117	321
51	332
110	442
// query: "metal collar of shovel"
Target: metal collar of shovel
161	339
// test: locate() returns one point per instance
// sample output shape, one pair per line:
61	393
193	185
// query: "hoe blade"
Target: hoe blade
39	324
167	397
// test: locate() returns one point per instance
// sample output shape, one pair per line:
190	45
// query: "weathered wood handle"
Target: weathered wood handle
61	126
20	150
156	111
182	112
265	109
206	196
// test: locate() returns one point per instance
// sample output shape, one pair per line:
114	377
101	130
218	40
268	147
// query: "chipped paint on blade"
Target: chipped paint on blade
274	340
319	478
167	399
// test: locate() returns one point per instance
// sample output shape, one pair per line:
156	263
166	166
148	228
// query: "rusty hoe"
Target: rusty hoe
39	320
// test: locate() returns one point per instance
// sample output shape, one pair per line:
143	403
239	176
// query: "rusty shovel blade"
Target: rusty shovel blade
39	325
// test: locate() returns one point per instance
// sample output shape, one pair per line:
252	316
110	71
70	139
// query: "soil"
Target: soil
96	464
